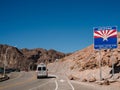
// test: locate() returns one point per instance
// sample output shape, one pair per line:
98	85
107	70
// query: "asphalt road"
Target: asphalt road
28	81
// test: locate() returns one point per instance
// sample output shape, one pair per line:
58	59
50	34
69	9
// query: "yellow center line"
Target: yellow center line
18	83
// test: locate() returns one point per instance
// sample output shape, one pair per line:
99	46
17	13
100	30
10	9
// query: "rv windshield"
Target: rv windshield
44	68
41	68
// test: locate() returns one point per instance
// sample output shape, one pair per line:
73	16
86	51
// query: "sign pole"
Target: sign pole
100	65
112	58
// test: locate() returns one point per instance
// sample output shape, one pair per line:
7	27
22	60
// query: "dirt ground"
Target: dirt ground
79	76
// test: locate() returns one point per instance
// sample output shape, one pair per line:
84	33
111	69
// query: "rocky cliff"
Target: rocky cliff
89	58
83	65
26	58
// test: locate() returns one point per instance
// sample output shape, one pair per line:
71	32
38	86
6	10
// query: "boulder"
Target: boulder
71	77
93	79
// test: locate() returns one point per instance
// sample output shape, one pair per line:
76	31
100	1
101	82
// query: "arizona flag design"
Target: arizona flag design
105	38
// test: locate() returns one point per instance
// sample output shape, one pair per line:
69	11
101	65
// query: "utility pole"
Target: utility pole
5	61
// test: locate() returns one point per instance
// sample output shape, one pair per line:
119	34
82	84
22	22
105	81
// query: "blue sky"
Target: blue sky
63	25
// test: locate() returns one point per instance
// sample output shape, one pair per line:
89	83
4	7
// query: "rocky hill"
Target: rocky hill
26	58
88	58
84	64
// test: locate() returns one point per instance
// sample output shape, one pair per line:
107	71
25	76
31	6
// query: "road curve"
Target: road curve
29	81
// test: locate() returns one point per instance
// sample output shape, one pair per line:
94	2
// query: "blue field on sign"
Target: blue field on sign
107	44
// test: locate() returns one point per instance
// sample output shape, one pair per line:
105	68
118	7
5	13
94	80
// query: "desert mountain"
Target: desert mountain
88	58
85	63
27	58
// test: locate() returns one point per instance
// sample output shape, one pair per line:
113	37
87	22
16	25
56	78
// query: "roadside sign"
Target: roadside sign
105	37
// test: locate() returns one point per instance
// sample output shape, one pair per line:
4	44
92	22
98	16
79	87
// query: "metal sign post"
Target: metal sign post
112	60
100	59
113	69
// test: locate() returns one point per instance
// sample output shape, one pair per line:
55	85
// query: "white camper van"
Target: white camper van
42	70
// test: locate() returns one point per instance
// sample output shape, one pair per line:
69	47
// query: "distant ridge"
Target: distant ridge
26	58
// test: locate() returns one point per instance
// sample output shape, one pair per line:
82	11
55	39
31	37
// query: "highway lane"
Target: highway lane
63	82
29	81
25	81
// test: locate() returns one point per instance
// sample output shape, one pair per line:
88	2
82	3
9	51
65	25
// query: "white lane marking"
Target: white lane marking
70	84
39	86
56	84
62	80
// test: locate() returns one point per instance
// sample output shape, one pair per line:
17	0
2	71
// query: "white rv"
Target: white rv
42	70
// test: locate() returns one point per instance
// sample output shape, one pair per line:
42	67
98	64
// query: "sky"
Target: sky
63	25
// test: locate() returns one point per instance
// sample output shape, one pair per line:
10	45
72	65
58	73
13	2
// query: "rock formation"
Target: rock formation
26	58
89	58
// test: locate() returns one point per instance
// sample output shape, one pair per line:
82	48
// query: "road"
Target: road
25	81
28	81
57	81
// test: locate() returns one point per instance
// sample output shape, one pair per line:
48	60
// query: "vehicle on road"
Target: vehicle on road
42	71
